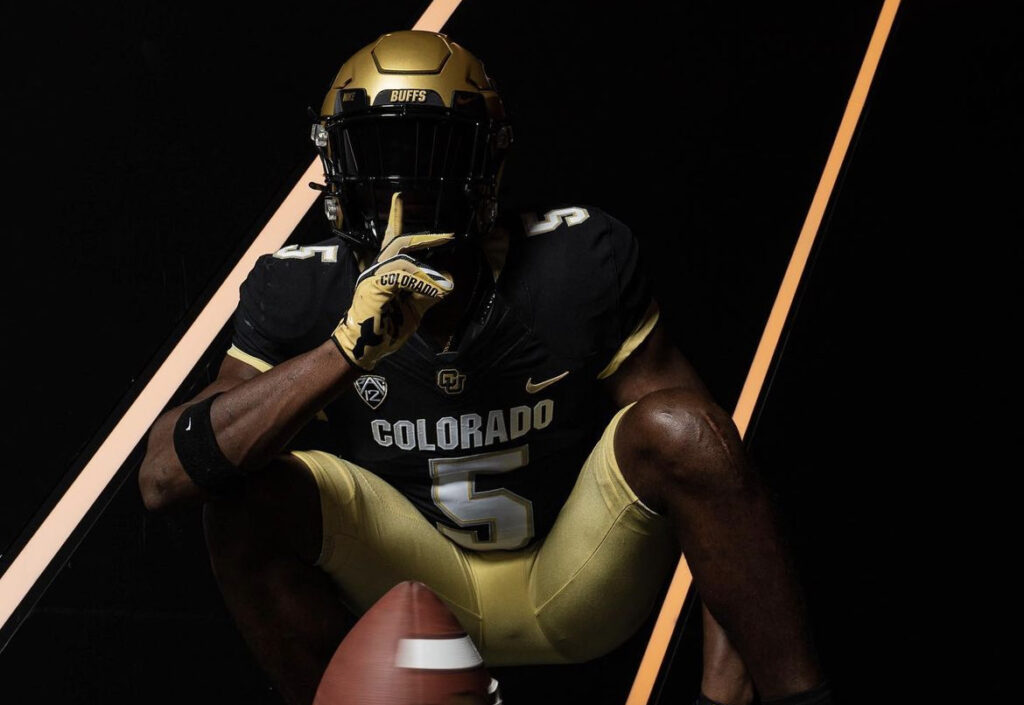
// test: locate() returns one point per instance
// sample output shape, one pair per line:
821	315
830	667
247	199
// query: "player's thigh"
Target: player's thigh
373	538
606	559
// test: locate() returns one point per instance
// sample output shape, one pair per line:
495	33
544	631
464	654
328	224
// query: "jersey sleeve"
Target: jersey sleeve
578	281
634	311
255	339
288	306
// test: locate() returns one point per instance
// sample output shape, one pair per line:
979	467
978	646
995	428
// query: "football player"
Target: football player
507	421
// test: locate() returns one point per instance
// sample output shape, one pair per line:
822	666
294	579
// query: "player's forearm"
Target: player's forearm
252	421
255	420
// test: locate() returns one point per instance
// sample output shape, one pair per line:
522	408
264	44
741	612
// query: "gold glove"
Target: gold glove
391	295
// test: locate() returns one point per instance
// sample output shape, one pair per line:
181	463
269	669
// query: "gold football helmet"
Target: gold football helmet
416	113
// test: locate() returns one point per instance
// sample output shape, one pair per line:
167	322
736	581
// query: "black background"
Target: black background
144	144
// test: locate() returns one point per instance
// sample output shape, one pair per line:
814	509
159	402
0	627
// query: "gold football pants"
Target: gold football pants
575	595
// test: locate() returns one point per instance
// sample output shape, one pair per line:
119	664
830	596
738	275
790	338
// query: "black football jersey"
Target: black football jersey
486	439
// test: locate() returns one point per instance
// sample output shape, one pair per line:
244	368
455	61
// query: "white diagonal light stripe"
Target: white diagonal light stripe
54	531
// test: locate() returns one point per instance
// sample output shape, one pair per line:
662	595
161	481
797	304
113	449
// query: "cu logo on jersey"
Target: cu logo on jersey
371	389
451	380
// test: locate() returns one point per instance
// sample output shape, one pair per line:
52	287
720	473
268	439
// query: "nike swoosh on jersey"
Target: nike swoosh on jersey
533	388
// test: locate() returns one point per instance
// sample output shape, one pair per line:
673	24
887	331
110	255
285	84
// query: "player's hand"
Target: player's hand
391	295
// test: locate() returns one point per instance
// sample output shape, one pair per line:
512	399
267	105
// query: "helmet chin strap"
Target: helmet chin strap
486	214
470	305
467	312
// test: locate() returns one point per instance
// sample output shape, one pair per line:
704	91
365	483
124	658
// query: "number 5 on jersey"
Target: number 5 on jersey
508	517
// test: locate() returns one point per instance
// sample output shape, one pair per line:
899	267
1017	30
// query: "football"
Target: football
408	649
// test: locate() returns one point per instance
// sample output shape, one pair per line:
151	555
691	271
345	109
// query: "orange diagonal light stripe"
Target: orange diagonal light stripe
101	468
436	16
651	663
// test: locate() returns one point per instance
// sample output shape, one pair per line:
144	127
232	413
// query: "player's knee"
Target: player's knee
675	439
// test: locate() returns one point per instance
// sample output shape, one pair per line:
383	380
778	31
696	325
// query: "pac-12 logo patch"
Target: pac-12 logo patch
451	380
372	389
